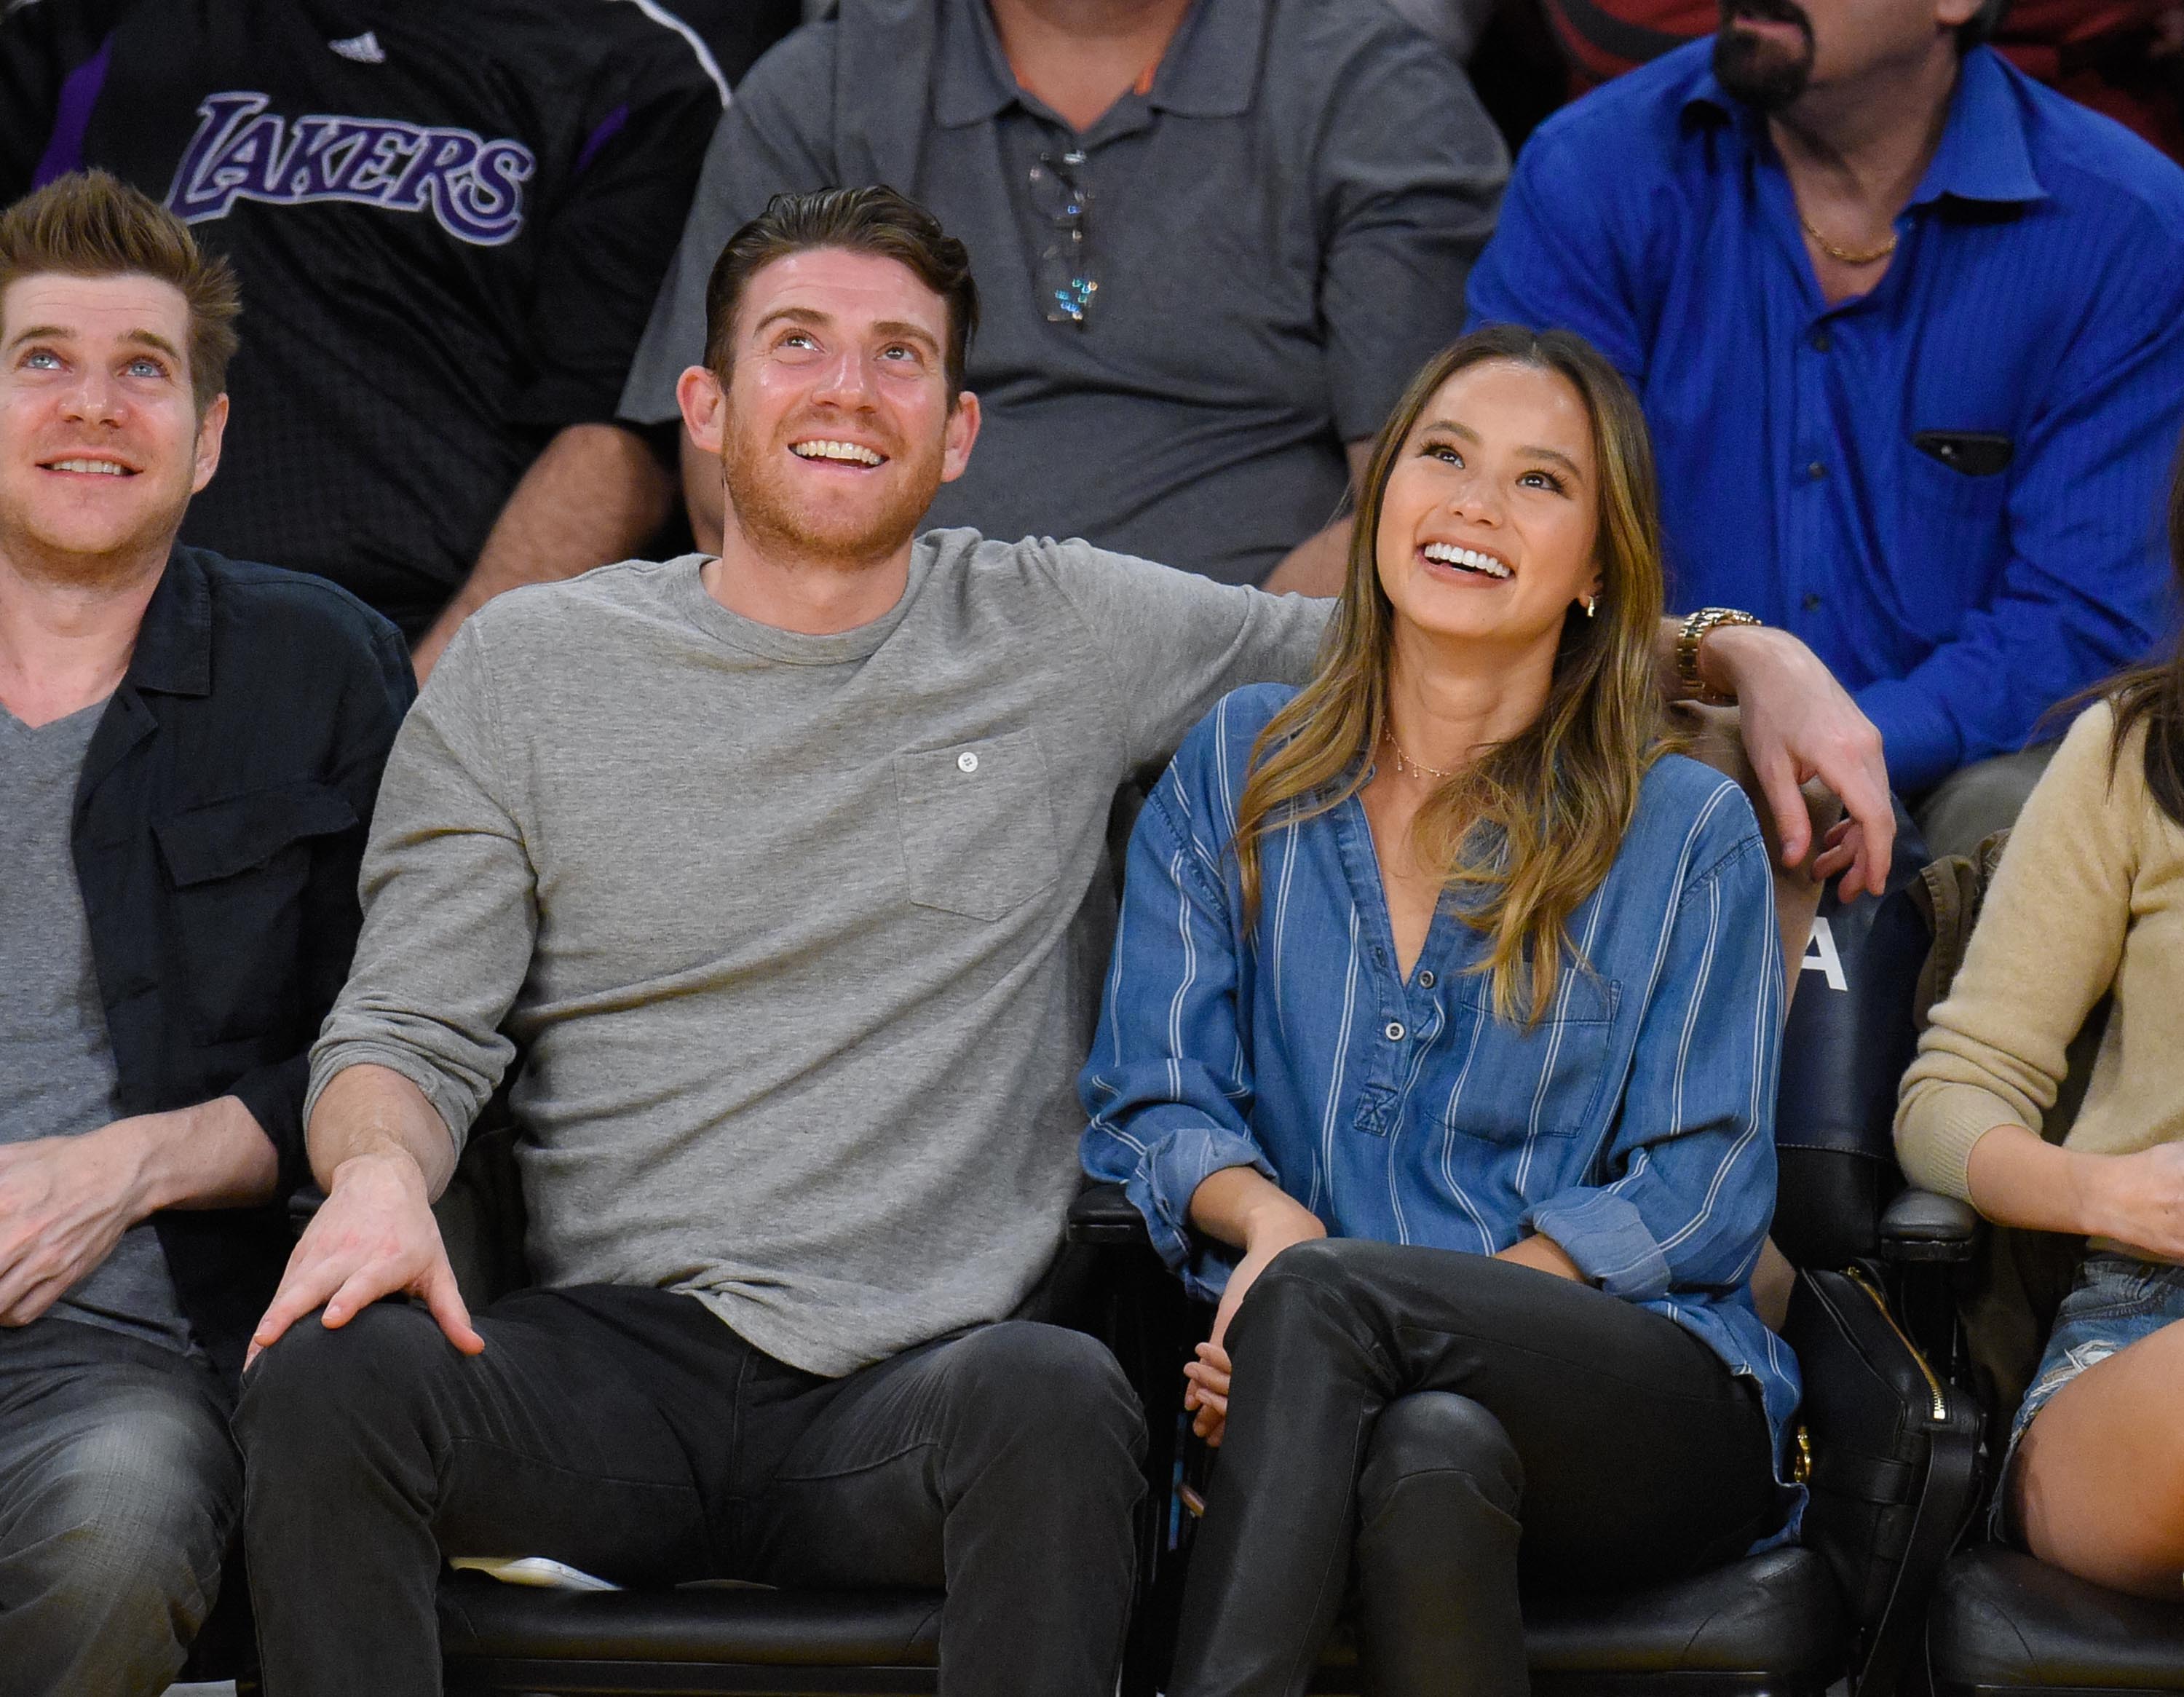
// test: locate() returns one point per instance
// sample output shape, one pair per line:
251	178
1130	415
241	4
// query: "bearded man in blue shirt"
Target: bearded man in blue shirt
1908	329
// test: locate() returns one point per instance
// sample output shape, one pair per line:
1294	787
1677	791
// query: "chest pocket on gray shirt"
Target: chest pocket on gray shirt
1536	1080
977	824
239	867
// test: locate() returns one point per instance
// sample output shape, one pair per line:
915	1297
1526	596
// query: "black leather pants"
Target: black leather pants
1451	1422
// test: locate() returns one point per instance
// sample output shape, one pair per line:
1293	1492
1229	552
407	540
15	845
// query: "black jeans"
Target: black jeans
119	1490
1428	1411
631	1433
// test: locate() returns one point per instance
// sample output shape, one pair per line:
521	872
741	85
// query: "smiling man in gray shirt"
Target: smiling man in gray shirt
784	872
774	869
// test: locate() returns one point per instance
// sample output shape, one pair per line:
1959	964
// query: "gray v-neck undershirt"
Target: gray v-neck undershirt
57	1070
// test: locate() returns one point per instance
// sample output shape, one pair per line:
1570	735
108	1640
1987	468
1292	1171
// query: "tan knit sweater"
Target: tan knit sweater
2090	894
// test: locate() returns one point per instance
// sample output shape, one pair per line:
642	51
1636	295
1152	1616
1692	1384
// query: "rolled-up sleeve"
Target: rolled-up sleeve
1168	1085
450	904
1692	1189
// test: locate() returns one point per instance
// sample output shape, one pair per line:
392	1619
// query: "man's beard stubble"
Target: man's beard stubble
1755	71
34	553
769	514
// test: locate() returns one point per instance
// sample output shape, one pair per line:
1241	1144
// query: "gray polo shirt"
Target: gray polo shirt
1280	230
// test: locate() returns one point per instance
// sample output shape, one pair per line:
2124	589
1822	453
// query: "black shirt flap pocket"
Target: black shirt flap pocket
243	832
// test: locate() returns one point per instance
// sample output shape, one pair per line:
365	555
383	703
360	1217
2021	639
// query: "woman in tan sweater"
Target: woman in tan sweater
2089	899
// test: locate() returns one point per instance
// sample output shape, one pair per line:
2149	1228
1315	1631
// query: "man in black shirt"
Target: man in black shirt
189	751
451	221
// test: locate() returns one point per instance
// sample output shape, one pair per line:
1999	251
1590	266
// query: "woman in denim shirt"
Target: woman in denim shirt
1444	1020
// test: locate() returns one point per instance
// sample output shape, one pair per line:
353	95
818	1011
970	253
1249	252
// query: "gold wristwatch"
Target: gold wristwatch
1694	632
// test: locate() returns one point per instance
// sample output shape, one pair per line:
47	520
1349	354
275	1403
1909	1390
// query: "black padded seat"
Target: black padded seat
1770	1625
2003	1622
692	1639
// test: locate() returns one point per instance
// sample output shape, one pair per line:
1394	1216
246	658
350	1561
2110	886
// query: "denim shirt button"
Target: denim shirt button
1395	1031
1426	981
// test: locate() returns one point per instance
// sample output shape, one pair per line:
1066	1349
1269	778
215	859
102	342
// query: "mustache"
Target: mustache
1767	11
820	422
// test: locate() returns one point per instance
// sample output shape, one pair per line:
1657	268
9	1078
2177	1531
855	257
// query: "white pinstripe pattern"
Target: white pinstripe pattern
1554	1049
1328	1115
1486	1243
1652	1184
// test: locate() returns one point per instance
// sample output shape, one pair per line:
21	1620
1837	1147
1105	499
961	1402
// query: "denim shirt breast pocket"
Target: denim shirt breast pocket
1514	1082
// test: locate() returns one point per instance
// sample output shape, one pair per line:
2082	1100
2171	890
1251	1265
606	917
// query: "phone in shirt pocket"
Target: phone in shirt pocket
976	821
1541	1080
1955	491
1974	453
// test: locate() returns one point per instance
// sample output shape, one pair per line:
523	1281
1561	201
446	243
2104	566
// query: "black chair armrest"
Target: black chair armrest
1103	1214
1918	1225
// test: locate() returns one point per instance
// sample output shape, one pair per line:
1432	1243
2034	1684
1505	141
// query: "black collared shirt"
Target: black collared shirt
219	820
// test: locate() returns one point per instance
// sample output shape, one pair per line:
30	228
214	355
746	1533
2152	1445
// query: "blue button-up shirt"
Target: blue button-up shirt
1634	1125
2036	295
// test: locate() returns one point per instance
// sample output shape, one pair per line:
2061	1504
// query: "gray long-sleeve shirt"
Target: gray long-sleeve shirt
798	937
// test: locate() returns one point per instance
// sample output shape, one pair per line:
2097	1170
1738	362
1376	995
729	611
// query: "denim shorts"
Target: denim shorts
2117	1300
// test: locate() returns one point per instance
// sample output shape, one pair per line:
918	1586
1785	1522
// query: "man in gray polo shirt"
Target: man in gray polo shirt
1214	240
785	873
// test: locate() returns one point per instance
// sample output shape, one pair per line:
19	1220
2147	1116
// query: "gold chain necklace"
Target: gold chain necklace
1844	255
1404	763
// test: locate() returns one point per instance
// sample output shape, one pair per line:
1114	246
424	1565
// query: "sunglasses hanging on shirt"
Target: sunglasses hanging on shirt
1065	282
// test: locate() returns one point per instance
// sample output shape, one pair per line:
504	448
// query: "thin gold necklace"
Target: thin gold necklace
1845	255
1404	763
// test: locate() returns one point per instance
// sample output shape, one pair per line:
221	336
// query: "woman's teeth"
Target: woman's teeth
1468	559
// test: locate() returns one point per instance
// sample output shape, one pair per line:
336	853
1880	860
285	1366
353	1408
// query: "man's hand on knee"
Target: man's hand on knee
64	1206
374	1237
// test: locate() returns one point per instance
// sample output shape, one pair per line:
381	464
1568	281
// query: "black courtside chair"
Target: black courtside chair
2003	1624
2001	1621
1889	1445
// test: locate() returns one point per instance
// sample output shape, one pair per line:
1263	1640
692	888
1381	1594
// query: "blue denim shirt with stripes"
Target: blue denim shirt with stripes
1634	1125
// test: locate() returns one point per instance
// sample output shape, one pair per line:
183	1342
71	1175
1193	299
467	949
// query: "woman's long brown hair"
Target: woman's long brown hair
2153	695
1529	830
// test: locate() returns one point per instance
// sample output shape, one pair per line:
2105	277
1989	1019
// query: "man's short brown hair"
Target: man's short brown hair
864	220
89	224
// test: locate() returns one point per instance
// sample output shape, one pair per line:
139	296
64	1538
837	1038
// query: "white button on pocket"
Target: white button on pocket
977	825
